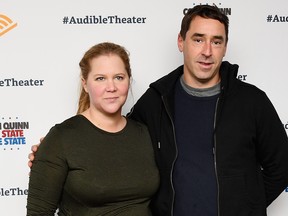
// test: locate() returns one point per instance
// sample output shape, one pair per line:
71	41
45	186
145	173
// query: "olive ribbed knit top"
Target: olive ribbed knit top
86	171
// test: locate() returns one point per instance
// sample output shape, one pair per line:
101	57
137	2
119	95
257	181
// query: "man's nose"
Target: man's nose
207	49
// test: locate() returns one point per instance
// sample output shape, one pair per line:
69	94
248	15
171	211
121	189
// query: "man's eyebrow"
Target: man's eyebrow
219	37
198	35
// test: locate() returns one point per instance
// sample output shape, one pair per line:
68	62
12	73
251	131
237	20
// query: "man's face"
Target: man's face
203	49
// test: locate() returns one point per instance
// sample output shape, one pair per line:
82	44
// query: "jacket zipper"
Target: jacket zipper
171	172
214	152
215	163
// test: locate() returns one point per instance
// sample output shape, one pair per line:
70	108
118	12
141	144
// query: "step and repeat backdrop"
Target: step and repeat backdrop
42	42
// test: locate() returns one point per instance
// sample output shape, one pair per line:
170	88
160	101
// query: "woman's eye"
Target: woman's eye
99	78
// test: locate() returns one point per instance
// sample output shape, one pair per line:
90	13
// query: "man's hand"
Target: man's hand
31	155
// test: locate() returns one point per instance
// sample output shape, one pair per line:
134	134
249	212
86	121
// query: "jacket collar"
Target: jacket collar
166	84
228	74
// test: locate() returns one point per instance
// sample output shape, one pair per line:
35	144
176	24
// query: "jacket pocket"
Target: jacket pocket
235	197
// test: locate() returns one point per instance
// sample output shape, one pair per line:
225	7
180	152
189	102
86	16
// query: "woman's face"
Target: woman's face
107	84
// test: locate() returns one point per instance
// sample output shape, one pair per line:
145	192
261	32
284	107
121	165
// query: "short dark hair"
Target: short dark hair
205	11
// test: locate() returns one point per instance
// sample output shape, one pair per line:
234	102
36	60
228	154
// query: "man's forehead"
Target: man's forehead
206	26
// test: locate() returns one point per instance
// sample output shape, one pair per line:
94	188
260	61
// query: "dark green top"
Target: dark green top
86	171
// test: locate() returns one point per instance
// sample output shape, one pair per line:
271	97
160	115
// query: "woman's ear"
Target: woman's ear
84	84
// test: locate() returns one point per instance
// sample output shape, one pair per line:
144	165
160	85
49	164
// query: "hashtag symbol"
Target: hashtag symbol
269	18
65	20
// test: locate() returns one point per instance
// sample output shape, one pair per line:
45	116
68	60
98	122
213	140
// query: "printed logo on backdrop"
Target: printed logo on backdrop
103	20
286	126
242	77
226	11
276	18
13	191
6	24
12	133
12	82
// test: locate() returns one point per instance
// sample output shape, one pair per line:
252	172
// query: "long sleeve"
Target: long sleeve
48	175
273	150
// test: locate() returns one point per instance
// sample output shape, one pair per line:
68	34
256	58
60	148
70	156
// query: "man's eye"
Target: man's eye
198	40
217	42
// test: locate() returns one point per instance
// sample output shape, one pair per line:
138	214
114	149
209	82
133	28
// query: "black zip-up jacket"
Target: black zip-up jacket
250	144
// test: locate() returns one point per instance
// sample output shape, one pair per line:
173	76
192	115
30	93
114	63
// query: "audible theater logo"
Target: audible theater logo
102	20
16	191
6	24
276	19
12	133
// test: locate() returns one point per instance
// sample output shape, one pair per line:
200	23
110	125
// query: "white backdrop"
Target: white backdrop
39	55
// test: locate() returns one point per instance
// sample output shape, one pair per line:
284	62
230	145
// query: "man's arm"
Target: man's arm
272	150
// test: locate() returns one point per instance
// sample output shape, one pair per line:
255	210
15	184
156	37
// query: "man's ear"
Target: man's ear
225	50
180	43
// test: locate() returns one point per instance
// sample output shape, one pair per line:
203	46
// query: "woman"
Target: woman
97	162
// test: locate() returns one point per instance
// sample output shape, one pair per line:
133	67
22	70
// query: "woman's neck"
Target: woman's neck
110	123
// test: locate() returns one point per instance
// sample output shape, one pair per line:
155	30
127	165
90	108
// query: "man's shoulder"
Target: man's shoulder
166	84
250	88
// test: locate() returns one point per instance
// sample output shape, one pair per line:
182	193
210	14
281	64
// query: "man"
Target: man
219	144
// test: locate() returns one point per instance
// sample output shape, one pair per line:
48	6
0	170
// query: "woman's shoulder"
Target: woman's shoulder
67	126
71	122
